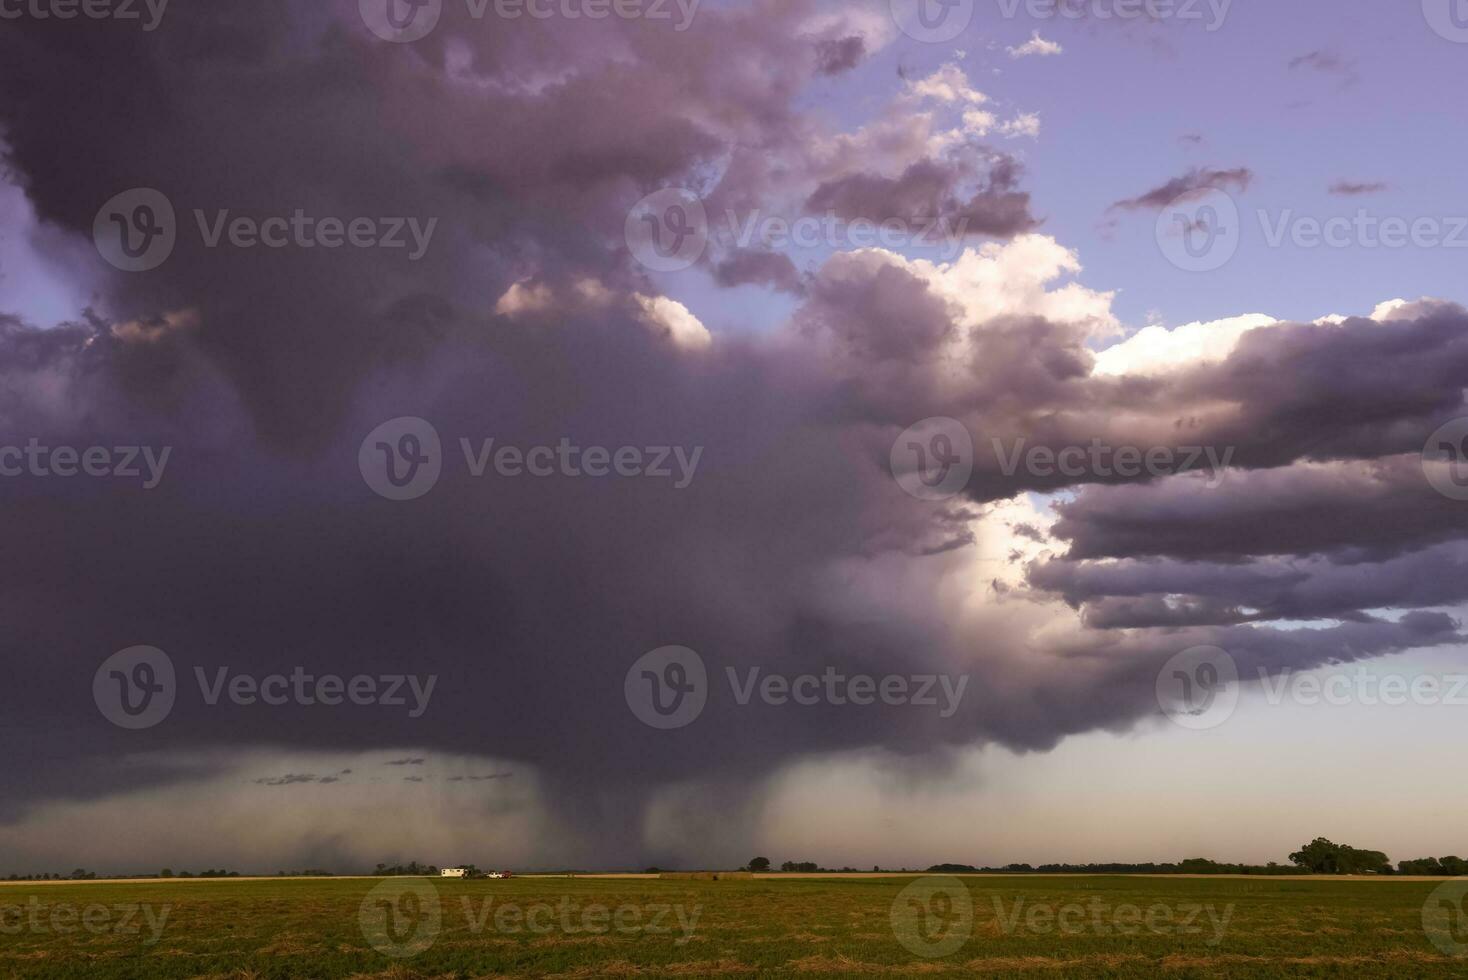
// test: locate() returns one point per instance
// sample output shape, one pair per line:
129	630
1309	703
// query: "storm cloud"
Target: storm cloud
793	549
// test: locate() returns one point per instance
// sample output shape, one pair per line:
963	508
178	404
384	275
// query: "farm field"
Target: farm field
1052	927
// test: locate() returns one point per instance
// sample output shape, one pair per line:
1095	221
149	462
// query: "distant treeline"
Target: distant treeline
82	875
1319	857
1191	866
1451	866
411	868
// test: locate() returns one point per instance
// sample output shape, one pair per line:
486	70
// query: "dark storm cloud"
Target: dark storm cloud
861	304
1137	593
793	550
1378	509
748	266
1195	182
835	57
1327	62
1349	188
930	190
291	779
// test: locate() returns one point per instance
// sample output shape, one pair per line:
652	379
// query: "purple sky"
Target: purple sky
1015	363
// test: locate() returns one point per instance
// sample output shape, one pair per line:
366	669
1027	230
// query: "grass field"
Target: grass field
592	927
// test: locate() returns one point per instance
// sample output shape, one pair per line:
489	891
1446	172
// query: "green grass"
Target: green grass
765	927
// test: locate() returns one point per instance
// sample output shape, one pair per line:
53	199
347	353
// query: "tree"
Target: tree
759	864
1323	857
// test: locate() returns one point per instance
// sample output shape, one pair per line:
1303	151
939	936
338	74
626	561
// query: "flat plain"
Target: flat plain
786	926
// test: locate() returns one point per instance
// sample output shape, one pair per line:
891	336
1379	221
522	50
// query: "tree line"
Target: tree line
1320	857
